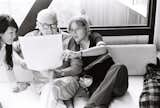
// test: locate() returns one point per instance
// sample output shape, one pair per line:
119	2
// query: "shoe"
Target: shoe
21	86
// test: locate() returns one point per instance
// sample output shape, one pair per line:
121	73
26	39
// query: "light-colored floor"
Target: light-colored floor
131	98
25	99
28	98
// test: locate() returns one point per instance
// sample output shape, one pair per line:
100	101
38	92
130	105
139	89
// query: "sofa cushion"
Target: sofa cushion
135	56
117	40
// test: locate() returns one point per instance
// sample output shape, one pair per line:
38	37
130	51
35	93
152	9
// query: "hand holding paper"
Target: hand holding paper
42	52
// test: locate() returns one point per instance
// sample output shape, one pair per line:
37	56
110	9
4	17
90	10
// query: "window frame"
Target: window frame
131	30
103	30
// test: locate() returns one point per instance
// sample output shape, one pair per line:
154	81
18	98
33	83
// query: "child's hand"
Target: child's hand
58	73
86	81
24	65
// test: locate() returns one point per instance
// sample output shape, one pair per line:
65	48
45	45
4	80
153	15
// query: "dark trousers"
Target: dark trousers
98	72
115	84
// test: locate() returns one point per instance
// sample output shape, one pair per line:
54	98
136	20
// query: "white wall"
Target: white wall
18	9
157	26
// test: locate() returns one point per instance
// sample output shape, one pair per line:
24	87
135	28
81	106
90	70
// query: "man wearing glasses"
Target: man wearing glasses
47	24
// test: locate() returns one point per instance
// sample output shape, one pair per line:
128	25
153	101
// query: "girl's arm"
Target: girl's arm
18	60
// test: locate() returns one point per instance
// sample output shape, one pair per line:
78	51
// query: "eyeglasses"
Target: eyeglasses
48	26
80	29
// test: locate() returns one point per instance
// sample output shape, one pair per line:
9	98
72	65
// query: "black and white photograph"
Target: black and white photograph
79	54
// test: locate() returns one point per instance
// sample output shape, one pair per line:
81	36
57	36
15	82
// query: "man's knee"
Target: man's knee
122	70
121	83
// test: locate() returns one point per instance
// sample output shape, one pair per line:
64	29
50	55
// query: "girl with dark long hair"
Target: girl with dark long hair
8	30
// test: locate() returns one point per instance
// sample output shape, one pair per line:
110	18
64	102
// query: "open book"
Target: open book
42	52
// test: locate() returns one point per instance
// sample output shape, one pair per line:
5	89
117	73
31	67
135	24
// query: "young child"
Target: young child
8	57
64	89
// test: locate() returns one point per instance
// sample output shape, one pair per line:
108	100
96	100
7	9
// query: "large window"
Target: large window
111	17
103	12
108	17
18	9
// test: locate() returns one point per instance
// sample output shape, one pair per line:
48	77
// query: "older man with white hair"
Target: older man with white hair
47	24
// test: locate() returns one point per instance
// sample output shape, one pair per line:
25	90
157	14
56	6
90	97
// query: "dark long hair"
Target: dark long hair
5	22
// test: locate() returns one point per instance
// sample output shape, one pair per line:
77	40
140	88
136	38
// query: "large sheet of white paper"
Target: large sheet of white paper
42	52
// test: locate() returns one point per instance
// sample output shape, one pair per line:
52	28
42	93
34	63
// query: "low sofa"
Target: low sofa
134	56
